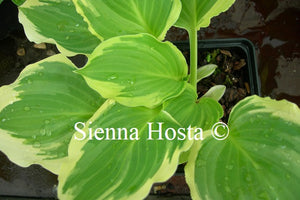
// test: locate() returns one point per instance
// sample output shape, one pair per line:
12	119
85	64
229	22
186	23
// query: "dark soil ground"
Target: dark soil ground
230	72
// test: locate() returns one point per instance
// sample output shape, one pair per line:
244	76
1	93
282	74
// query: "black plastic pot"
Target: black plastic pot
242	46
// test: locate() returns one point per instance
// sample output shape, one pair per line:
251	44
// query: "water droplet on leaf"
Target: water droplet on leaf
230	167
227	189
48	133
43	132
26	108
112	77
61	26
248	178
36	144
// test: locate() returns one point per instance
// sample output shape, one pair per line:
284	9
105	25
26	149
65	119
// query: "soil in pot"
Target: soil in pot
230	72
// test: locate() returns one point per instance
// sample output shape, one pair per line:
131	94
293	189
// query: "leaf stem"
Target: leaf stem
193	57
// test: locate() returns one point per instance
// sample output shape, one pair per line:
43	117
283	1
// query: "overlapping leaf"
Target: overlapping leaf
57	22
196	14
17	2
136	70
114	18
203	112
259	160
126	169
38	112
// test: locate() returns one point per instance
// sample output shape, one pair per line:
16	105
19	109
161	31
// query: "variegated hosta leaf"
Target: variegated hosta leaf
108	18
38	112
203	112
126	169
57	22
120	169
259	160
196	14
136	70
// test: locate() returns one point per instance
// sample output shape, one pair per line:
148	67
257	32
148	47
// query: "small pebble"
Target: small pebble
50	53
21	51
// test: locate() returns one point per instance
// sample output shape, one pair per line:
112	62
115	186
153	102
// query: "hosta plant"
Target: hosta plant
126	119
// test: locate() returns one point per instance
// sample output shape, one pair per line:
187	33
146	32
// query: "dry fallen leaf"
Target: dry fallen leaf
40	46
238	65
225	52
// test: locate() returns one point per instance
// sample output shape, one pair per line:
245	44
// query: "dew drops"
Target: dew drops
112	77
77	25
227	189
61	26
248	178
288	123
36	145
54	189
47	121
130	94
43	132
33	137
67	37
26	108
283	146
130	82
3	120
230	167
263	195
48	133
